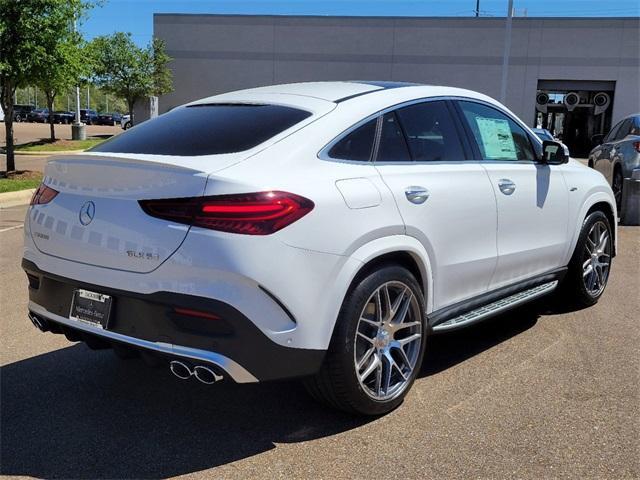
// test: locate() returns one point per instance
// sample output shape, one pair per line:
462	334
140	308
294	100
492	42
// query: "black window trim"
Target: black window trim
376	148
477	155
465	142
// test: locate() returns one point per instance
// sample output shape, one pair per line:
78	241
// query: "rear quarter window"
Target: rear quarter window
357	145
206	130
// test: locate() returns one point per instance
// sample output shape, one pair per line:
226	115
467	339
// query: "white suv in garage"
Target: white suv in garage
313	230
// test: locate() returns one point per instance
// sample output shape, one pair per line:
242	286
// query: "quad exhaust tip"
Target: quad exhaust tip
202	373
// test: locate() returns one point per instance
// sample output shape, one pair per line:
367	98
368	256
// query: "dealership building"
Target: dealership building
573	76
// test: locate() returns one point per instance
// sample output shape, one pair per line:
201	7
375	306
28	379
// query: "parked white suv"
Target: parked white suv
314	230
125	122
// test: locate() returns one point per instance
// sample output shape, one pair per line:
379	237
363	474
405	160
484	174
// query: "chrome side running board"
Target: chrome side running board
237	372
496	307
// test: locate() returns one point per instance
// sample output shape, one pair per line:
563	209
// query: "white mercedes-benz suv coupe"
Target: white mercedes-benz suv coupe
316	230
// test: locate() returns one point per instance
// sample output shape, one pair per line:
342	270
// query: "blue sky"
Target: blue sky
136	16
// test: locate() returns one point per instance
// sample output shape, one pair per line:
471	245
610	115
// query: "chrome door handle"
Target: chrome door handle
416	195
506	186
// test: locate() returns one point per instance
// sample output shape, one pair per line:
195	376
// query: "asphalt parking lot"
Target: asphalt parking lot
536	393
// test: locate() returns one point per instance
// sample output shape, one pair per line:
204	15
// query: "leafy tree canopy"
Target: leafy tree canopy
30	32
128	71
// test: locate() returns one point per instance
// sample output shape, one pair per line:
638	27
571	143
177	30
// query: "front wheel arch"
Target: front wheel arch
605	208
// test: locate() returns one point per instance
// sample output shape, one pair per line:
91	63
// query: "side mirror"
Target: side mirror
554	153
597	139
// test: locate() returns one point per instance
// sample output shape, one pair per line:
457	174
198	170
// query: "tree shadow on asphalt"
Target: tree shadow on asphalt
76	413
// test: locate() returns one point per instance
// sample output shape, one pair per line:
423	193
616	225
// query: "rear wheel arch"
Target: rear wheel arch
402	258
403	250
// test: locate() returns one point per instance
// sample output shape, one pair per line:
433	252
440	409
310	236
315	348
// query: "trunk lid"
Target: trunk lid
95	219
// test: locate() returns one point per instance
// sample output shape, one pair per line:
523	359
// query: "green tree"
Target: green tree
63	66
29	29
128	71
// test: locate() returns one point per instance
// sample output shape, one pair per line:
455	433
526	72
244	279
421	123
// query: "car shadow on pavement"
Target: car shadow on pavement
76	413
444	350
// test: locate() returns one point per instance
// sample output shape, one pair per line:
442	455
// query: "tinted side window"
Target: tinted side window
612	134
357	145
392	147
624	130
205	130
430	132
498	137
635	127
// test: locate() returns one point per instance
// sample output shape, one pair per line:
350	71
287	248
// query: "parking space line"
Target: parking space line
15	227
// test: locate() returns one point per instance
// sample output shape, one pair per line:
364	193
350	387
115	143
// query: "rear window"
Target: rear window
205	130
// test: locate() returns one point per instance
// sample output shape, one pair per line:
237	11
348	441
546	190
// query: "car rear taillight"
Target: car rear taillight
636	145
260	213
43	195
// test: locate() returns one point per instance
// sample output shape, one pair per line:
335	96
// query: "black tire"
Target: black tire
18	118
617	186
337	384
574	287
127	125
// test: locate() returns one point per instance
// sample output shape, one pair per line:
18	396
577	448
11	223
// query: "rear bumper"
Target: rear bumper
230	342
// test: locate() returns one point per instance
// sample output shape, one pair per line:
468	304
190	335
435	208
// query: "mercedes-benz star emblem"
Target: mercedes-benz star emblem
87	212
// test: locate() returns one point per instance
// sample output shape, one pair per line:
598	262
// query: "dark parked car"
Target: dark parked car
62	116
543	134
20	112
90	117
112	118
39	115
617	157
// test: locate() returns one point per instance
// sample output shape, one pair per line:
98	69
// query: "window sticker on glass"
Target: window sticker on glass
497	138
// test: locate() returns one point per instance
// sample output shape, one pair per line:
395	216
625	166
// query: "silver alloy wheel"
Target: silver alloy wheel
388	341
596	259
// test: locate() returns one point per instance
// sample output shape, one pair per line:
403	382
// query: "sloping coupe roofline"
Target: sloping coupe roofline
384	85
330	91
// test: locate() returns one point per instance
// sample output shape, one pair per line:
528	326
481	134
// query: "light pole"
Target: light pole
507	53
78	130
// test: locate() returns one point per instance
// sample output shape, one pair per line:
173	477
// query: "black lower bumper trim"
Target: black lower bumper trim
152	318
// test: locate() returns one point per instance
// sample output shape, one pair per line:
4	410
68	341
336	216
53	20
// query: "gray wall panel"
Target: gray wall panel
218	53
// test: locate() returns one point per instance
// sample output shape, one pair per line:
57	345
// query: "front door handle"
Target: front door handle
506	186
416	195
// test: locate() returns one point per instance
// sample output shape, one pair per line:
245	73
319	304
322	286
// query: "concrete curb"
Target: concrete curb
14	199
